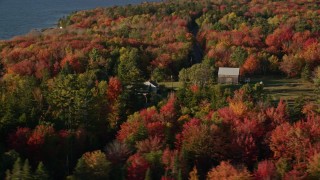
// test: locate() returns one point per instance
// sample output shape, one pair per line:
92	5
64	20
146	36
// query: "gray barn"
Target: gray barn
228	75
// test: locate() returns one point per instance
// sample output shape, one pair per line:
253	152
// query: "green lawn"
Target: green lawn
275	86
171	85
287	89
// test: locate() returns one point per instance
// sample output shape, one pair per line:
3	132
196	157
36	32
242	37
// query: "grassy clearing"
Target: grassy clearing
275	86
171	85
287	89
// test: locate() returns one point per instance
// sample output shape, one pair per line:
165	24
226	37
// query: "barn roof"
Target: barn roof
229	71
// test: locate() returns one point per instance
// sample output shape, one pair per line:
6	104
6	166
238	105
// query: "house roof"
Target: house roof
150	83
229	71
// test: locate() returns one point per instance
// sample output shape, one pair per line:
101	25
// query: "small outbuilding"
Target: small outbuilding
227	75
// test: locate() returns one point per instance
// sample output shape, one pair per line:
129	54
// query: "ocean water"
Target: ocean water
18	17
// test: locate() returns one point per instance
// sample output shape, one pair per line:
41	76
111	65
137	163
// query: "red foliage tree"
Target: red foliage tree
296	142
156	129
18	139
266	171
25	67
204	142
39	134
170	159
129	130
194	88
226	171
277	115
149	145
39	140
280	39
311	52
168	111
227	114
114	89
142	124
113	92
310	108
149	115
249	148
137	167
180	137
291	65
73	61
250	66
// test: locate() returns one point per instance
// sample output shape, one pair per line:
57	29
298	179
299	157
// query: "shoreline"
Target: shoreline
21	30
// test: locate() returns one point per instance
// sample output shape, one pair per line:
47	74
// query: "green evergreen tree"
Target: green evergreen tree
26	171
128	70
16	171
16	103
179	175
8	175
158	74
296	109
70	98
2	69
148	175
183	75
306	74
7	160
239	55
67	69
41	173
176	169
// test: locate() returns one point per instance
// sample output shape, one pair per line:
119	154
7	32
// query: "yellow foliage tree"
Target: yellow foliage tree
193	175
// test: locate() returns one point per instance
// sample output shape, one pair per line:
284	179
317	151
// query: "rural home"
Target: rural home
153	86
228	75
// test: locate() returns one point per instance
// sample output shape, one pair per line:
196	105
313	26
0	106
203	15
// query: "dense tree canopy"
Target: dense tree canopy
73	104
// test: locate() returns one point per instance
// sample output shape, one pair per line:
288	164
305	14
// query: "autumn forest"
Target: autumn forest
73	103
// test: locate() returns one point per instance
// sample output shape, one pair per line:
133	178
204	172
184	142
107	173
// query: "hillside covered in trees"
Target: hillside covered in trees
73	105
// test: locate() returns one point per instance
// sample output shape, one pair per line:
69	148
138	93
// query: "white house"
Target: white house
153	86
227	75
